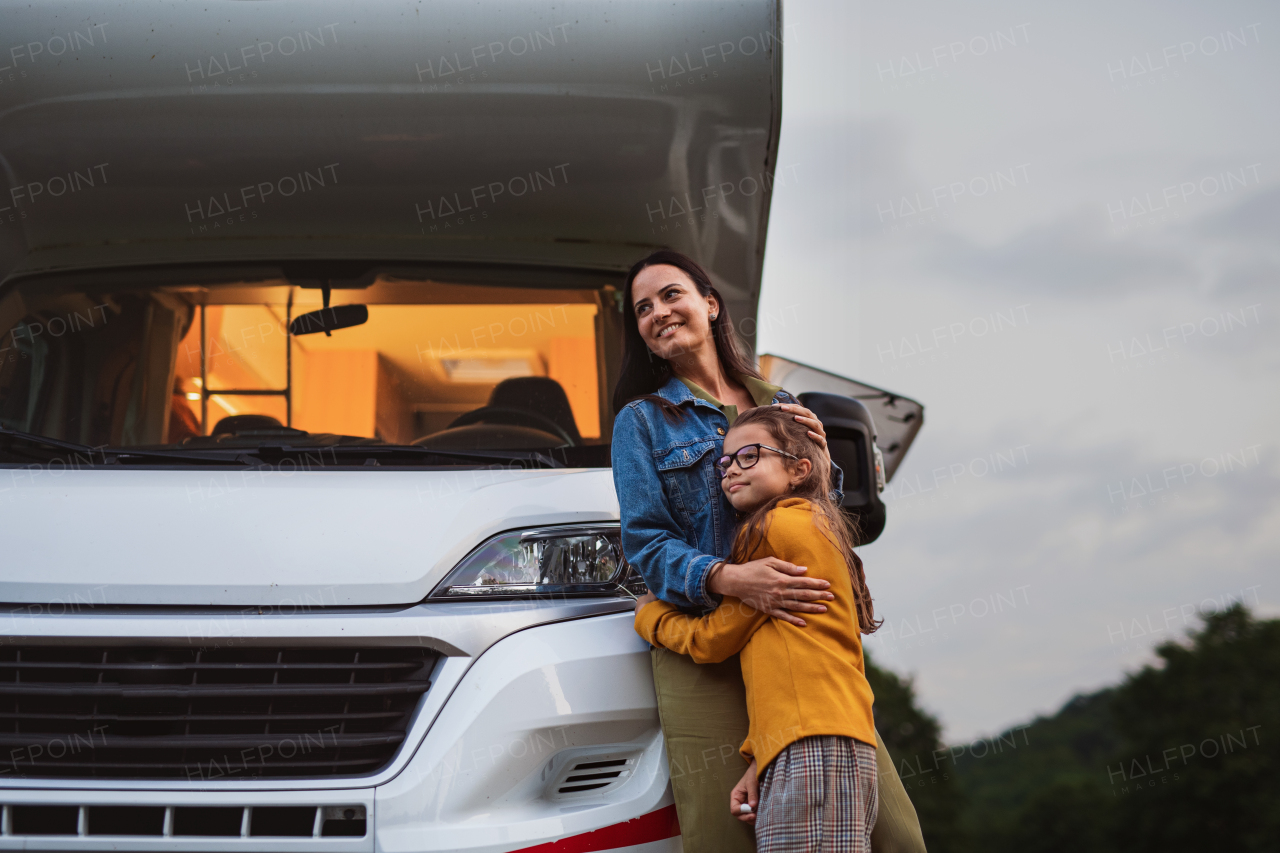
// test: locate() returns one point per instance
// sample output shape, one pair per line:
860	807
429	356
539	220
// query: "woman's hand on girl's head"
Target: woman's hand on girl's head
816	430
774	587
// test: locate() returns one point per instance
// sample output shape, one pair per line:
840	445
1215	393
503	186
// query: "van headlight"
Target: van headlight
576	560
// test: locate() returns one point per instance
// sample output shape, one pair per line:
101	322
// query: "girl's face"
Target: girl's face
674	318
772	475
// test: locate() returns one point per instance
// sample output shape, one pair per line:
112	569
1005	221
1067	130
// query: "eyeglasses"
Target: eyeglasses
746	457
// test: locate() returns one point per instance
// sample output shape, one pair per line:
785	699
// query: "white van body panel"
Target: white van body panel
308	539
486	777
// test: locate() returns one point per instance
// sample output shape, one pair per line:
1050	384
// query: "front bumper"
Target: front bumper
524	693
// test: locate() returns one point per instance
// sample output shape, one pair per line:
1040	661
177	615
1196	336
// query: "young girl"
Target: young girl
811	744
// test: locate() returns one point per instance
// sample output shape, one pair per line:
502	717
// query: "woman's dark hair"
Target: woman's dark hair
839	529
643	373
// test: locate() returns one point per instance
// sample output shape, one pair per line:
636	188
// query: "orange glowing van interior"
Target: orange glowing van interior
172	364
407	373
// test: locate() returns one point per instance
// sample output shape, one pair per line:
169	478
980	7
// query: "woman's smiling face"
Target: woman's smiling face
674	318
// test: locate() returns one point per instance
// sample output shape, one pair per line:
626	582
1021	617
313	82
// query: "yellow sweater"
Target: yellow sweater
800	682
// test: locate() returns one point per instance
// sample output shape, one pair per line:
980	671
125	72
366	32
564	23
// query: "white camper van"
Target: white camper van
310	313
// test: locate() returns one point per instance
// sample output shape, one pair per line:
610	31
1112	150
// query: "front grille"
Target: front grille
205	714
187	821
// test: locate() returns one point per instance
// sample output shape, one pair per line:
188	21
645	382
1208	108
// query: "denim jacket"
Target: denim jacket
676	522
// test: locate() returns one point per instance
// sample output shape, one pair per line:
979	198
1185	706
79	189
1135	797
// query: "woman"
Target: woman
684	380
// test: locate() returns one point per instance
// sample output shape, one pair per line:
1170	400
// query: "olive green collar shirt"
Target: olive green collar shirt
759	390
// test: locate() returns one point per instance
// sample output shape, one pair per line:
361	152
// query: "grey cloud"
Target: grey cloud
1253	218
1072	256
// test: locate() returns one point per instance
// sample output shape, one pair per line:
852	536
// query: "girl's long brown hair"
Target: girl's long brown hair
793	437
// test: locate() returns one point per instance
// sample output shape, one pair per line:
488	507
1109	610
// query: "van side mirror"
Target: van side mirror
851	438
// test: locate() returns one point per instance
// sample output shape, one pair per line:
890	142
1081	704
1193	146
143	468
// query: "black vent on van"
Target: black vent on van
589	775
205	714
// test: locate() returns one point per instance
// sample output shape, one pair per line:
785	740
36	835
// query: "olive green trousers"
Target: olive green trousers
703	708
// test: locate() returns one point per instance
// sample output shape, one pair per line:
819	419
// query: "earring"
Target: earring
713	316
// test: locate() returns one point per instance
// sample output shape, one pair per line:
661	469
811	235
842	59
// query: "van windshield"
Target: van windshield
199	367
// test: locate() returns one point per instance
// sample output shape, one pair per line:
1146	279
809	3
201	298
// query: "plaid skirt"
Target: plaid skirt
819	794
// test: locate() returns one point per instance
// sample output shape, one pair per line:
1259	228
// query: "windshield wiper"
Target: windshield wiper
37	448
29	447
397	454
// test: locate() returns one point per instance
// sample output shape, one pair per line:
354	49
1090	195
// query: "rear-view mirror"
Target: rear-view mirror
328	319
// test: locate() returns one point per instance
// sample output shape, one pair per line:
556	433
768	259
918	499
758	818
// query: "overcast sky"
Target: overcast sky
1058	227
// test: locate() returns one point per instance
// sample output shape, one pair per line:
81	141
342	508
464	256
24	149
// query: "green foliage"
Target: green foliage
1203	727
1181	756
1065	751
1064	817
913	739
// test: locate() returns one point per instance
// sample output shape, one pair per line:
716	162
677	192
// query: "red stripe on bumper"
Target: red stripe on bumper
654	826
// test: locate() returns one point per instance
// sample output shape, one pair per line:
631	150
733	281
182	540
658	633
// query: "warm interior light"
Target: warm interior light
491	370
410	371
